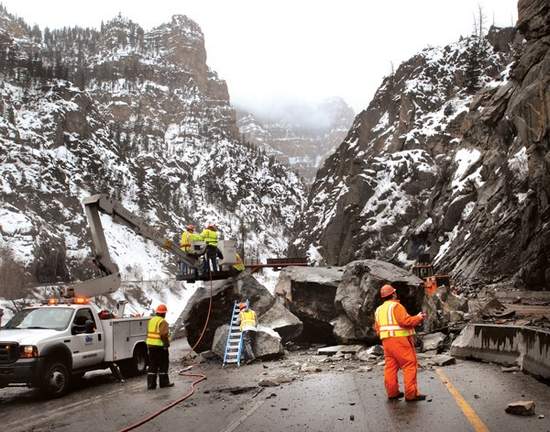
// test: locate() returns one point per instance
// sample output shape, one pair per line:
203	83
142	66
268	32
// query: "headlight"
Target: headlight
28	351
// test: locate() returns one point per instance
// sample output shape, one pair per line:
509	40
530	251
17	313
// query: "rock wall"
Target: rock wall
451	158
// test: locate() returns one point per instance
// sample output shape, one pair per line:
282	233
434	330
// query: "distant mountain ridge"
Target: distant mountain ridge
301	135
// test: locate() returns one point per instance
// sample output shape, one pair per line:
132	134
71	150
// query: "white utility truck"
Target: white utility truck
47	346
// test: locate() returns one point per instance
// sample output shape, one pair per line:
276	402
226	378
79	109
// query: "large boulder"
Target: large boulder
358	296
280	319
267	344
309	293
220	339
224	294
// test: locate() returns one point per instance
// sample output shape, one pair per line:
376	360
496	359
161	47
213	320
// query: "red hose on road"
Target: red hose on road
201	377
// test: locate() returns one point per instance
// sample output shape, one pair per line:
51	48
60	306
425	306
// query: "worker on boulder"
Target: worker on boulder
247	319
210	236
158	342
238	267
395	327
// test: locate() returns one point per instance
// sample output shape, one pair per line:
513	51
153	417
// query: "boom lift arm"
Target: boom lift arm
110	281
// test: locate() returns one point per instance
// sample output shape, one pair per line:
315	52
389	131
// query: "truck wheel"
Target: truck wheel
137	365
56	380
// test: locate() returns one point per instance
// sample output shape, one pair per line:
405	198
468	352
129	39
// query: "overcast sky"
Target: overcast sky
293	49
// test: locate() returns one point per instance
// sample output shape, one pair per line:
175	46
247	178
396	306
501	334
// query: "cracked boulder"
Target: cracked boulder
267	343
309	293
358	296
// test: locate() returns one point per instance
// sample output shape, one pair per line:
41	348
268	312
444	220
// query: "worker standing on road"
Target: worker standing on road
247	318
395	327
158	342
210	237
431	285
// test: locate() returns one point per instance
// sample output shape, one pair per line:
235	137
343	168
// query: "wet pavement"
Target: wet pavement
343	397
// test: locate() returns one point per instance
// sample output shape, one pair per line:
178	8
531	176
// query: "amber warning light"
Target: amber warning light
80	300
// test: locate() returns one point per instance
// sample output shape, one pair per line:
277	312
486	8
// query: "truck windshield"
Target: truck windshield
41	318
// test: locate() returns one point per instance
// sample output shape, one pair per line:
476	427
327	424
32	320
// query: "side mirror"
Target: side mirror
89	326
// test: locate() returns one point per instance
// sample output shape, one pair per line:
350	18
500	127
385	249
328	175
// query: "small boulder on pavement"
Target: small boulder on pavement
510	369
344	349
376	350
443	360
522	408
432	341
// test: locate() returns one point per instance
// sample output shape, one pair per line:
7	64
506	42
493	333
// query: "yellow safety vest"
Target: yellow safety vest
387	324
153	332
239	265
248	319
187	239
210	237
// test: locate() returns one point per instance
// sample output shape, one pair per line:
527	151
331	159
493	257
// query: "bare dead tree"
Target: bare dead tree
13	279
479	23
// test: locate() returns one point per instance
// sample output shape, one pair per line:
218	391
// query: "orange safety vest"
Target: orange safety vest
387	324
153	332
430	286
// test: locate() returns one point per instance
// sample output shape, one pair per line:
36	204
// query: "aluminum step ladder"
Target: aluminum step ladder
234	343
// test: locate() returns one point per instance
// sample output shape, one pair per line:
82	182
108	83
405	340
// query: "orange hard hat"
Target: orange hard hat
386	290
242	305
161	308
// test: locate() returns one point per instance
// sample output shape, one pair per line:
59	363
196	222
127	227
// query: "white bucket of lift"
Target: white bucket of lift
228	248
198	247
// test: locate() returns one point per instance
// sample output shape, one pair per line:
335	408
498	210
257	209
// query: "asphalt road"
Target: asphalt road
332	400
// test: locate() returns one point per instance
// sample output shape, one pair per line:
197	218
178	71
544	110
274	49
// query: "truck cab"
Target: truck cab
48	345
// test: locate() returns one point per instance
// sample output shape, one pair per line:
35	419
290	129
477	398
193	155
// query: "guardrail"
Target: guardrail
527	347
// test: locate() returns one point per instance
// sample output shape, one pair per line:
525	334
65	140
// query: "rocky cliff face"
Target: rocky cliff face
300	135
451	158
135	114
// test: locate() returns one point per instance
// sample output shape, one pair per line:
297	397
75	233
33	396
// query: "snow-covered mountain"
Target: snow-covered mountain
301	135
451	159
140	116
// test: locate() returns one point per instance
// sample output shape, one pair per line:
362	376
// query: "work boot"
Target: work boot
397	396
419	397
151	381
164	381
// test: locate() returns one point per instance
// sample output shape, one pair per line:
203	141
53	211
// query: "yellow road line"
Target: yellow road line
468	411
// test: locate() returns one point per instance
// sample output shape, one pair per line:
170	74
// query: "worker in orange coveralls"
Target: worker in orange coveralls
431	286
395	327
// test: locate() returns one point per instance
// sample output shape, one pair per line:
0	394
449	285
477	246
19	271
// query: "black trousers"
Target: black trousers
211	259
158	360
248	341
